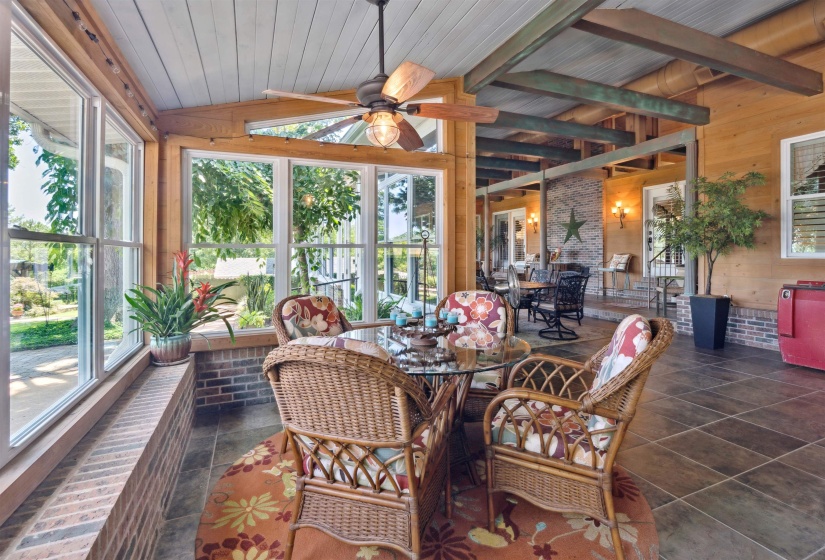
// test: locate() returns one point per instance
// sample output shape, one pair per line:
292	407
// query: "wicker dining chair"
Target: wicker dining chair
372	452
490	311
307	315
553	435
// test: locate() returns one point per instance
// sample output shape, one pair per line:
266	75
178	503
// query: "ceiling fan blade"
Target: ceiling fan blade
333	127
452	112
410	140
310	97
407	80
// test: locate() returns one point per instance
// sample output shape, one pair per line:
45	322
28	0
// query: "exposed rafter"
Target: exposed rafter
526	149
551	21
509	164
514	121
644	30
497	174
541	82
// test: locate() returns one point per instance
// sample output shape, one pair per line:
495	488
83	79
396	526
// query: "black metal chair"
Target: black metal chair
514	296
578	315
565	302
544	276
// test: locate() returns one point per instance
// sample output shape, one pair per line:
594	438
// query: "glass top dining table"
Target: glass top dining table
465	350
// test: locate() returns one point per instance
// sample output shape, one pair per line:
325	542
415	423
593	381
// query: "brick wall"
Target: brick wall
231	379
107	497
584	195
751	327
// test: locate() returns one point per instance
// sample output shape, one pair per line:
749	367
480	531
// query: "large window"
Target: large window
69	222
803	196
352	233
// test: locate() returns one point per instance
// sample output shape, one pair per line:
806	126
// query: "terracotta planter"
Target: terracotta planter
170	350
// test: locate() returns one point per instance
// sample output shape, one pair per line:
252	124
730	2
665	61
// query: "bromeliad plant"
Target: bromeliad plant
182	307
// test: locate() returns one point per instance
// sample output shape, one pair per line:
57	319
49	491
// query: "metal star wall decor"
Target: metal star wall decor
573	226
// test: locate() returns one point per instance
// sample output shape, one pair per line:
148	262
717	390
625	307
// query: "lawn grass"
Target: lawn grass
30	336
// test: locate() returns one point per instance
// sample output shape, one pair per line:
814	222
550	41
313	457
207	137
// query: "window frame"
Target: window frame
283	244
787	199
90	209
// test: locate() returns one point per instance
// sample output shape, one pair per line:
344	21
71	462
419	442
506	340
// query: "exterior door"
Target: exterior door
509	245
659	259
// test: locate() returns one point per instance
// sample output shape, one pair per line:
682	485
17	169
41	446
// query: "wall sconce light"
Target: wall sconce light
619	212
534	222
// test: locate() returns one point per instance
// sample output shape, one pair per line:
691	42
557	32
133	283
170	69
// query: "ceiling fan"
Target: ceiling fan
385	96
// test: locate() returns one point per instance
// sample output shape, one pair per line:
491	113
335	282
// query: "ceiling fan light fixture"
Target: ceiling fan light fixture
382	129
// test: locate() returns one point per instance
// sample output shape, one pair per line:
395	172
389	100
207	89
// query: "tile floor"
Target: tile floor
727	446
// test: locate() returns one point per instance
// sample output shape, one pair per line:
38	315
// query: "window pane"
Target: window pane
808	167
353	133
231	201
326	205
51	342
253	269
120	265
401	279
118	185
397	194
808	226
45	139
333	272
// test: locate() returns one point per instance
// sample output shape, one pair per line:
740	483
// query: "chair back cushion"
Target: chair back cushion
364	347
479	309
311	316
631	338
619	261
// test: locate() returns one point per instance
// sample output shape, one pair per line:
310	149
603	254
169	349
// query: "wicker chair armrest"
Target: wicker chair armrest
525	395
552	375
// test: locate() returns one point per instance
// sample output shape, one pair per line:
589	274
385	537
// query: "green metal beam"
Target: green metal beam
645	30
526	149
497	174
514	121
541	82
549	23
482	182
504	163
654	146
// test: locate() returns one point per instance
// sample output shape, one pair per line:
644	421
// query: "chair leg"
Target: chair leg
284	443
614	531
491	511
448	489
290	541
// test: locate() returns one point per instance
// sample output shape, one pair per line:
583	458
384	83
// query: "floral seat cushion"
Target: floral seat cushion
480	338
364	347
479	309
355	463
631	338
311	316
566	443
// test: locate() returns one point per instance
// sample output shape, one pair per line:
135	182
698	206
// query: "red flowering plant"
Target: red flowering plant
182	307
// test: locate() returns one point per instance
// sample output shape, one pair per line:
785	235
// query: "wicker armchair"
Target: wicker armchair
372	452
546	448
483	386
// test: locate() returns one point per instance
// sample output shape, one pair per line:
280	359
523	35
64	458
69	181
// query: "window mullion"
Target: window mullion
281	191
5	253
369	235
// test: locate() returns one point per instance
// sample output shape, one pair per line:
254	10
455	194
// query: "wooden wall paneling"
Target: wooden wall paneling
57	21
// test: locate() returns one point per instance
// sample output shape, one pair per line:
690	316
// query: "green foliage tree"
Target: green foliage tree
719	221
16	127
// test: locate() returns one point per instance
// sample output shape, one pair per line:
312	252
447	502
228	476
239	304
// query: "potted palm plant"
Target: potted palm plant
718	222
177	310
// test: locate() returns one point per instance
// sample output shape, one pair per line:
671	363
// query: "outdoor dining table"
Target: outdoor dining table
464	351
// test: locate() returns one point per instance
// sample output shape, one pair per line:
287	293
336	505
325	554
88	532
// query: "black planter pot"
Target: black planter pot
710	320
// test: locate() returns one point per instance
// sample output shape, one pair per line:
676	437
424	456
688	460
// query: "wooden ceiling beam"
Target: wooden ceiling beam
515	121
549	23
497	174
510	164
542	82
526	149
645	30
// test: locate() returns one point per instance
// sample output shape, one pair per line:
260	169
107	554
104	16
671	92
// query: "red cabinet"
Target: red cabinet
801	323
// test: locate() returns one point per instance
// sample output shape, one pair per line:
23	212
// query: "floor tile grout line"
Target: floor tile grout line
812	554
727	526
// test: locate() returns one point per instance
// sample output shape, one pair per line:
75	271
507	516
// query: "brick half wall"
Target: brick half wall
751	327
231	379
584	196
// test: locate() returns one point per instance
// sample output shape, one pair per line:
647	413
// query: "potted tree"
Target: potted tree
718	222
177	310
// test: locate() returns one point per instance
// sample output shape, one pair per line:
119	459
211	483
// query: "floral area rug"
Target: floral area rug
247	517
